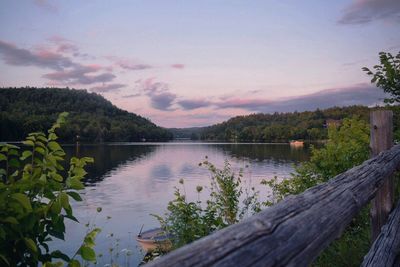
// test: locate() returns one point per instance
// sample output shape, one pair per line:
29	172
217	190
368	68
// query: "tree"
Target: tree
387	75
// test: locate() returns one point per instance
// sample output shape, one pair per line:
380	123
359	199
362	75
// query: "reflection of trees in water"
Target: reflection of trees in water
110	157
107	158
261	152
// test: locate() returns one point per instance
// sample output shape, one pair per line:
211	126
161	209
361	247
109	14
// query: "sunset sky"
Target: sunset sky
194	63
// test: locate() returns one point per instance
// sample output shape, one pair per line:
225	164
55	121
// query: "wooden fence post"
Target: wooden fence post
381	139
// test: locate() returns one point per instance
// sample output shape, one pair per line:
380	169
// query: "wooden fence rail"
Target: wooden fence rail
294	231
386	248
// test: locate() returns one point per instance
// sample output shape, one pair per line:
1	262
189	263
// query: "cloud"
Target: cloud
178	66
13	55
46	5
67	71
366	11
63	45
160	96
131	66
361	94
131	95
66	46
79	74
189	104
162	101
108	87
128	64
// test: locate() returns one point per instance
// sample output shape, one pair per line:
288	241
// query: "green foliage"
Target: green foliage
92	118
387	75
347	147
35	194
281	127
187	221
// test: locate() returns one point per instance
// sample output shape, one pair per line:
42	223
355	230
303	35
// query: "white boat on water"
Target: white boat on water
296	143
154	238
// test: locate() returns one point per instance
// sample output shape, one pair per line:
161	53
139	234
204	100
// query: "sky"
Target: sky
196	63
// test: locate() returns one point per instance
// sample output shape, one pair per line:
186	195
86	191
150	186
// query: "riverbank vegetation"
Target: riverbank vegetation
35	196
347	146
91	118
228	202
283	127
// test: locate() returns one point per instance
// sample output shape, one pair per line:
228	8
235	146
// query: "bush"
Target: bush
35	194
187	221
347	147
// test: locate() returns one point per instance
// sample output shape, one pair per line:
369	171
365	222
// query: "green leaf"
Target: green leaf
87	253
52	136
64	200
74	263
75	195
43	179
42	138
4	259
2	157
14	163
54	146
57	177
23	200
13	152
56	206
88	159
28	143
11	220
26	154
40	150
74	183
59	255
12	146
31	245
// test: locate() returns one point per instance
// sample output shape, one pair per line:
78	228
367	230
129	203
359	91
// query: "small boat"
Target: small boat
296	143
154	238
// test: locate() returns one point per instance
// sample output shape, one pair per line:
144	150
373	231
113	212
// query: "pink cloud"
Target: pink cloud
128	64
105	88
67	70
46	5
43	58
178	66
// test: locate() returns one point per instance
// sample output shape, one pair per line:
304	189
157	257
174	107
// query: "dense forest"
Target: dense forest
282	127
91	117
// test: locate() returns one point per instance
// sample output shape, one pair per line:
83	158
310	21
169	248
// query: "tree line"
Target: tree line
92	118
283	127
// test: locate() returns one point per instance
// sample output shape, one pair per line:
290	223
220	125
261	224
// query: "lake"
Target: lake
130	181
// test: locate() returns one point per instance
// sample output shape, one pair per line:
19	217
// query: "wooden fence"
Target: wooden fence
294	231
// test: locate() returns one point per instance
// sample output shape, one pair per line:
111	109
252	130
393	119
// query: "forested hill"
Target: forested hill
308	125
93	118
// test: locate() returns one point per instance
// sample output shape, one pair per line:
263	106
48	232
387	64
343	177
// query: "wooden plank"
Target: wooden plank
386	248
294	231
381	139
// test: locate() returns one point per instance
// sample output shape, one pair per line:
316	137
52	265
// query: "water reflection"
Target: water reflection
131	181
107	158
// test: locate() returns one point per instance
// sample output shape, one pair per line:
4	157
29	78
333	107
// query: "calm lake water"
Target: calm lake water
130	181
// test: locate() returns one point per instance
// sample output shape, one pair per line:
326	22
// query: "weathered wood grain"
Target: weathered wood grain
381	139
294	231
386	247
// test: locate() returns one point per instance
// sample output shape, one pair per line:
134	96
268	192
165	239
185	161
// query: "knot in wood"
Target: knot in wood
262	225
